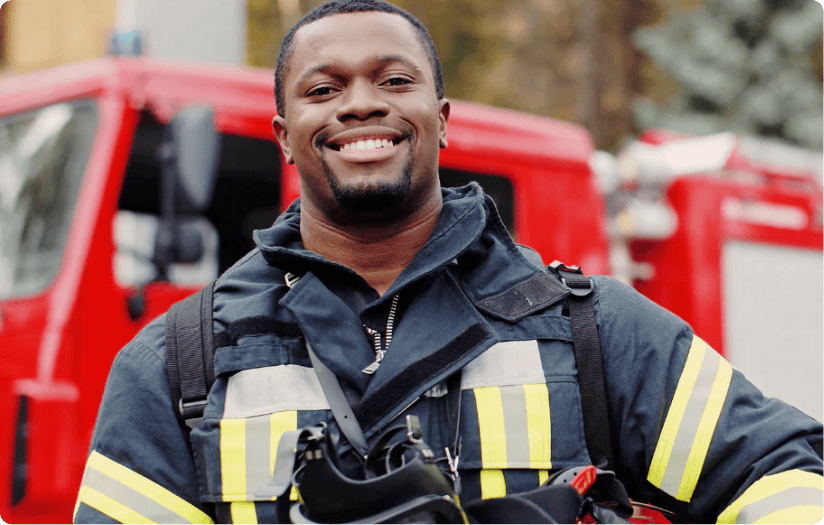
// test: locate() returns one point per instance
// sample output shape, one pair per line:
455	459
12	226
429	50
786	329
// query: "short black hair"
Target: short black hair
335	7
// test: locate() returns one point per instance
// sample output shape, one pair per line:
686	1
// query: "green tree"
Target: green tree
751	66
565	59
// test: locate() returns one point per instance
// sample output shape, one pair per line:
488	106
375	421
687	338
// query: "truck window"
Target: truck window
246	197
43	155
496	186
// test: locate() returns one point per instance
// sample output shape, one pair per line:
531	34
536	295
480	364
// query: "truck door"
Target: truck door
247	196
44	154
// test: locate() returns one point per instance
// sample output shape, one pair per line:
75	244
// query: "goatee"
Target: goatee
371	197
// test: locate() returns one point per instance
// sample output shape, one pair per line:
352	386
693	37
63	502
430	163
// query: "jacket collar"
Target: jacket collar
469	229
470	239
463	218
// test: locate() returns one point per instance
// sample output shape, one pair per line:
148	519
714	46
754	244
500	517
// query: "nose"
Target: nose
362	100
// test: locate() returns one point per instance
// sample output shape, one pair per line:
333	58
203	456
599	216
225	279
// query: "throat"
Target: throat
378	254
381	278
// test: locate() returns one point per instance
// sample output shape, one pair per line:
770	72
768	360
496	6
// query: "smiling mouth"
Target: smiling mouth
366	144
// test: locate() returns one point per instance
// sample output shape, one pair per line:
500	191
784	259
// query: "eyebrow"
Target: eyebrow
385	59
402	59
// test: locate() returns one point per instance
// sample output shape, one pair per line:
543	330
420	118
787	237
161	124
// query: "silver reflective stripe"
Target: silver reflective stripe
132	499
505	364
128	497
791	497
260	391
678	464
258	455
516	425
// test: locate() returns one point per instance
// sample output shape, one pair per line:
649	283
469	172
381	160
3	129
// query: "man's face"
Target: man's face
363	123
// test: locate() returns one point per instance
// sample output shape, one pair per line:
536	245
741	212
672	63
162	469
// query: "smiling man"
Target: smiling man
363	129
380	295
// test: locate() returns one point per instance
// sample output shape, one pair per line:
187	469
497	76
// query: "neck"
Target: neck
378	252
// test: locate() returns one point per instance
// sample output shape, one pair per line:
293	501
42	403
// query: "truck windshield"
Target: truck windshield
43	155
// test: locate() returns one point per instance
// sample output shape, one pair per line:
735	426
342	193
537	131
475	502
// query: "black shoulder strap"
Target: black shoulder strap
190	352
588	358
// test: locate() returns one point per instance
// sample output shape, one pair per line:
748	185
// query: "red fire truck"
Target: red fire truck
84	262
726	231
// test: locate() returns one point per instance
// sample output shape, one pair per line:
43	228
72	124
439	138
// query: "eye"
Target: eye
320	91
397	81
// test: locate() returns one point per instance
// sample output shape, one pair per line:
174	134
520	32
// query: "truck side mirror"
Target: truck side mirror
188	247
189	155
197	147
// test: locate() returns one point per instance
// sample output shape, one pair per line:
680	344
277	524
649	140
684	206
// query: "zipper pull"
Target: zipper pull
371	369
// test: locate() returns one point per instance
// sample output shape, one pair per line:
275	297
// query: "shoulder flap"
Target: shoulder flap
539	291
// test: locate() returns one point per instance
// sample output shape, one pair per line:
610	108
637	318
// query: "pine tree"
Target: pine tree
751	66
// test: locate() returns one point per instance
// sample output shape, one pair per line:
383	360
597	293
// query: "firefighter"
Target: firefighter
397	284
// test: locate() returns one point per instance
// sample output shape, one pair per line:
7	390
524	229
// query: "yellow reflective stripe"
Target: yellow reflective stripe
799	514
243	512
248	450
663	449
110	507
491	427
543	475
530	436
493	484
538	426
493	441
770	486
690	423
147	488
233	459
706	428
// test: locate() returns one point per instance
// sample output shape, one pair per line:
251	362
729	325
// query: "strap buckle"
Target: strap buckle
573	278
557	266
189	408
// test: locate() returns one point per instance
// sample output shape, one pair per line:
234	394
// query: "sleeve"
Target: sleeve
690	433
140	467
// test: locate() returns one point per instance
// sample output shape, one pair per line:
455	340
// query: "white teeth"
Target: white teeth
368	144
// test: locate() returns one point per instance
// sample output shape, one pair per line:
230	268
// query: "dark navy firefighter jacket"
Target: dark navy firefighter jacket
690	433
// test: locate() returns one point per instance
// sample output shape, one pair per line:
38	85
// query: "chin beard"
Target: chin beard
371	197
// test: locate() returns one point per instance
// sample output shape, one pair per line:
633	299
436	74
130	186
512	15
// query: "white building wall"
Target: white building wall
188	30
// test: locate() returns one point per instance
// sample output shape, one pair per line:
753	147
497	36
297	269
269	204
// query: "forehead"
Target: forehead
355	36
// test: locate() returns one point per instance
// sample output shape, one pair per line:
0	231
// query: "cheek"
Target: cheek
304	125
431	116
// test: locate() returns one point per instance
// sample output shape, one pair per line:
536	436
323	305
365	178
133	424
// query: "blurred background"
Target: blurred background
617	67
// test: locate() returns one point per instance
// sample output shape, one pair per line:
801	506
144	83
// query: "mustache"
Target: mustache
321	139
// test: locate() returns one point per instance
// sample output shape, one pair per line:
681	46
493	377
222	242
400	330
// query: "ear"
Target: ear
444	119
282	135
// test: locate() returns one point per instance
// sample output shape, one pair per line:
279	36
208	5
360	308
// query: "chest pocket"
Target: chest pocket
520	421
238	444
